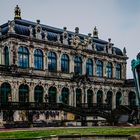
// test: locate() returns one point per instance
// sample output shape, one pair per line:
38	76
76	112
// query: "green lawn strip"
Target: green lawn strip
67	131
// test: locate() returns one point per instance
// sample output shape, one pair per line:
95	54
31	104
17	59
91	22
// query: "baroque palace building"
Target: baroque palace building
40	63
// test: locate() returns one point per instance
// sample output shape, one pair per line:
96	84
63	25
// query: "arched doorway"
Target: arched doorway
89	97
109	98
132	99
23	93
65	95
5	92
78	97
99	97
52	95
118	99
38	94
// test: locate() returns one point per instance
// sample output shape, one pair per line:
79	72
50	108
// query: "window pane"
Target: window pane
89	67
78	65
38	59
65	63
52	62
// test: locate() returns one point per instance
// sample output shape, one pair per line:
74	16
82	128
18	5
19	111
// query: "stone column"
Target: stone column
71	64
15	92
58	95
45	65
15	54
84	66
104	68
31	58
31	93
45	93
94	67
2	60
114	100
113	70
58	62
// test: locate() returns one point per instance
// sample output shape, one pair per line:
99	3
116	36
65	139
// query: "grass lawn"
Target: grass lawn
66	131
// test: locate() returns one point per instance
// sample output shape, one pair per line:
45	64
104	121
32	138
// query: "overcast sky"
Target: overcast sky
115	19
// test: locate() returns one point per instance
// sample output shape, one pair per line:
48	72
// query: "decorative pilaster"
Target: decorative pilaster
84	66
59	61
71	64
113	70
31	93
94	67
104	68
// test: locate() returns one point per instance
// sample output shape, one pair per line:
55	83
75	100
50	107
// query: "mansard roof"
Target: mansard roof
22	28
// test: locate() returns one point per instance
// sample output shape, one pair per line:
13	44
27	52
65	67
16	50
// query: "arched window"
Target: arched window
6	56
78	65
38	59
5	94
52	62
65	95
78	97
118	71
38	94
99	97
89	67
89	97
109	70
132	99
52	95
23	57
99	68
118	99
65	63
23	93
109	98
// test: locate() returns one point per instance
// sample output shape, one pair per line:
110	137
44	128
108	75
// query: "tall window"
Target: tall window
52	95
89	67
99	68
23	57
109	98
65	95
118	71
89	97
99	97
6	56
109	70
5	92
118	99
38	94
132	99
78	65
78	97
65	63
38	59
23	93
52	62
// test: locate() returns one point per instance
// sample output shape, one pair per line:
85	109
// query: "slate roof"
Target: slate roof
22	28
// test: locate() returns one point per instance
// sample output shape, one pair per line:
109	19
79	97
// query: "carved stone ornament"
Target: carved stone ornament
38	30
31	31
65	36
11	27
45	35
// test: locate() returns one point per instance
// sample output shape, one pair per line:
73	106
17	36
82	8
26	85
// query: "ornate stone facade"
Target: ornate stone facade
34	55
